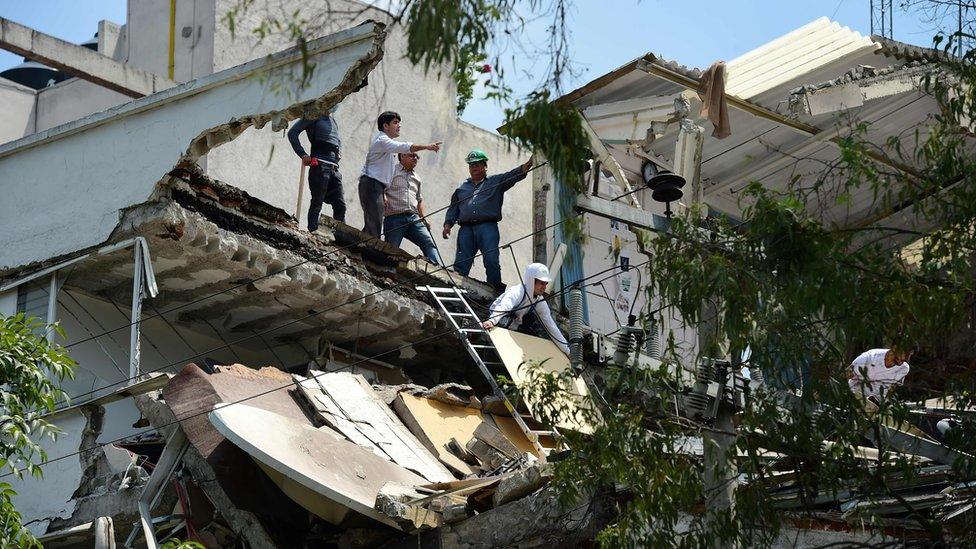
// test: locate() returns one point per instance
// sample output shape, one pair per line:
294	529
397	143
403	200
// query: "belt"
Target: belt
470	223
327	163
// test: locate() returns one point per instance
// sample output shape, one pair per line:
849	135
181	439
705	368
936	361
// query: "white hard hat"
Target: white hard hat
542	273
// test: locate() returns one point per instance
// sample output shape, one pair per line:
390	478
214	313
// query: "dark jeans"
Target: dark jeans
530	325
409	226
371	197
481	237
325	182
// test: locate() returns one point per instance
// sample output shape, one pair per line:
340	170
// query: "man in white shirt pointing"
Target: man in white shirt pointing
378	170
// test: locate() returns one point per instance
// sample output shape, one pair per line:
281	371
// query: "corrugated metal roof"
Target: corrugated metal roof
763	149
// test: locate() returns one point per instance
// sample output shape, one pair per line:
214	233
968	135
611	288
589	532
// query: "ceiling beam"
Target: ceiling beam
79	61
761	112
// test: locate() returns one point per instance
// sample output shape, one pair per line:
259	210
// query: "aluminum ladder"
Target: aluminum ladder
467	326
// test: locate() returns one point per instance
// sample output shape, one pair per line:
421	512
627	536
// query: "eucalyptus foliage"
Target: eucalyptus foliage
803	292
31	370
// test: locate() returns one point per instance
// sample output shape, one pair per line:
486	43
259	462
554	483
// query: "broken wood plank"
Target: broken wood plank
435	423
494	438
455	448
489	457
464	488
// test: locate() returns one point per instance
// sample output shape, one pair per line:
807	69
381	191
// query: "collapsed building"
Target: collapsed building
242	379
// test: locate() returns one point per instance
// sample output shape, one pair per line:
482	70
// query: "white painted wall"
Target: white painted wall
112	160
149	37
8	302
263	163
72	99
41	500
17	110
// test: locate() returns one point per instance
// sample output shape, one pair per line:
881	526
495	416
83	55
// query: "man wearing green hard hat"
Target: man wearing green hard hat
476	206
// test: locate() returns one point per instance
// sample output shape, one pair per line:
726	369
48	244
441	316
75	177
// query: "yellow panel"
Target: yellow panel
516	349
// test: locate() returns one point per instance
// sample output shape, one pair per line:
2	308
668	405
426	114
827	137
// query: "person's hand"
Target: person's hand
434	146
307	160
447	232
487	324
528	164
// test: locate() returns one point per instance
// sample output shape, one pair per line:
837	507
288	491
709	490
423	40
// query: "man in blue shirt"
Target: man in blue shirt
477	207
324	179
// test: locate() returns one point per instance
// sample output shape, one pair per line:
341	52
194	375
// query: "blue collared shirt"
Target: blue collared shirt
475	203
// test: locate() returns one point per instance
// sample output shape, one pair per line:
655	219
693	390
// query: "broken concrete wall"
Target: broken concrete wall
113	160
80	488
246	498
42	500
534	521
263	163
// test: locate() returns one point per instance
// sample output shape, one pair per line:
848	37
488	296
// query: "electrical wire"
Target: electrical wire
285	386
287	267
229	344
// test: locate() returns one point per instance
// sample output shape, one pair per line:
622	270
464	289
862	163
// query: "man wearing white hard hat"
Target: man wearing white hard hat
523	308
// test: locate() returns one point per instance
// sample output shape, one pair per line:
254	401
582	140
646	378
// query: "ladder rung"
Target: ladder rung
448	298
482	346
469	315
445	291
473	330
544	433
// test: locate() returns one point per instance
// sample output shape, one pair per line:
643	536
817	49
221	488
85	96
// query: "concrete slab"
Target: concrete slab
309	462
517	349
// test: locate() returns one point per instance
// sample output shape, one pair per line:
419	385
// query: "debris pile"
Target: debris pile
328	449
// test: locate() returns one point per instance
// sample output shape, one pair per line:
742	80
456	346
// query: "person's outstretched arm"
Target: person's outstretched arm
542	309
503	305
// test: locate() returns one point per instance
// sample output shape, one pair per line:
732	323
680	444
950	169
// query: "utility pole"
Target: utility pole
718	437
882	18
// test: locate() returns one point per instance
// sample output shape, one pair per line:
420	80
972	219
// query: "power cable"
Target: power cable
229	344
287	267
286	386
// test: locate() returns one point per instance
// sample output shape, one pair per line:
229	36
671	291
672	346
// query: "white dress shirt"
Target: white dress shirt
382	156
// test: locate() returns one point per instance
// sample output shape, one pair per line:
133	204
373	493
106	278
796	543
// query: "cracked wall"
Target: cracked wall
113	159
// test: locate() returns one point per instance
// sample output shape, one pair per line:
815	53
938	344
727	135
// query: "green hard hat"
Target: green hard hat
476	155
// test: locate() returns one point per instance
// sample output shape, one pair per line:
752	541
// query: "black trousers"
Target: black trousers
371	197
530	325
325	182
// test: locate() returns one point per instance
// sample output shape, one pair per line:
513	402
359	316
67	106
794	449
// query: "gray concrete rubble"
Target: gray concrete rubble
109	486
269	508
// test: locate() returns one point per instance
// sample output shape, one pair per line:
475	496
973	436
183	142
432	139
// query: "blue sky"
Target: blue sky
605	33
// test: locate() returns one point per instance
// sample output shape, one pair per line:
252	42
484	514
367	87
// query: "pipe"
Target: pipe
172	39
576	327
138	290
